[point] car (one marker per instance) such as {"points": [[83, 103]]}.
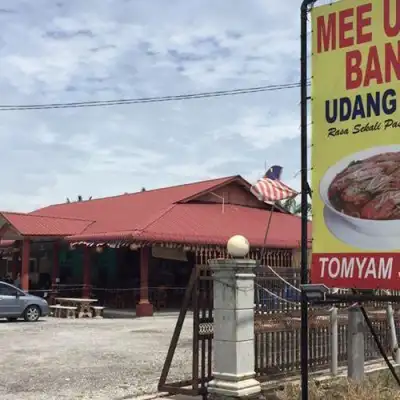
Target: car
{"points": [[15, 303]]}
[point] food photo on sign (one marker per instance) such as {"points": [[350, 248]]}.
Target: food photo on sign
{"points": [[356, 144], [361, 196]]}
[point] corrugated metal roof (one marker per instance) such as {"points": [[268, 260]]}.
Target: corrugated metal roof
{"points": [[210, 223], [37, 225], [160, 215], [131, 211]]}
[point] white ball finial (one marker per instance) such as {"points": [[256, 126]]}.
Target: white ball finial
{"points": [[238, 246]]}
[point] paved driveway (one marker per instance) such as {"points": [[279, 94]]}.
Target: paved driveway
{"points": [[110, 359]]}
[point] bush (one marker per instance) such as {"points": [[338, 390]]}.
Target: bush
{"points": [[381, 386]]}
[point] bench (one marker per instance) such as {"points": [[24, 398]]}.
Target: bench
{"points": [[54, 310], [69, 311], [98, 311]]}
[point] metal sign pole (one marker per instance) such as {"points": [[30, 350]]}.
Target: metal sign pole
{"points": [[304, 199]]}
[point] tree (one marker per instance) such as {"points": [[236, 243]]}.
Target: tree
{"points": [[143, 189], [293, 207]]}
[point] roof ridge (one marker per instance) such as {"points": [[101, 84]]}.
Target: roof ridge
{"points": [[158, 217], [87, 226], [46, 216], [146, 191]]}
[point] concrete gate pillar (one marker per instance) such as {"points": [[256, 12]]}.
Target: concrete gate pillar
{"points": [[355, 345], [234, 358]]}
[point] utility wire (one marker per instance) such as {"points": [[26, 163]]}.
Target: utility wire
{"points": [[142, 100]]}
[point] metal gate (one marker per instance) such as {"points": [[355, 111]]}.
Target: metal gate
{"points": [[198, 299], [276, 331], [271, 334]]}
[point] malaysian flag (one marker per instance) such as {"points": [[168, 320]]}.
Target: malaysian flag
{"points": [[270, 188]]}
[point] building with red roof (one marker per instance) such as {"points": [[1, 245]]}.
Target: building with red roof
{"points": [[183, 224]]}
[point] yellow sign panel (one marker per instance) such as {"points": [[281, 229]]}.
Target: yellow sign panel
{"points": [[356, 144]]}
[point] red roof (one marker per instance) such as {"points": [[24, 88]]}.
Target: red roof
{"points": [[204, 223], [161, 215], [131, 212], [36, 225]]}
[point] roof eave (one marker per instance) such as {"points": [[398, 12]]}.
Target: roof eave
{"points": [[153, 237], [105, 236]]}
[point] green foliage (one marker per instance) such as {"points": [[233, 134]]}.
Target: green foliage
{"points": [[294, 207]]}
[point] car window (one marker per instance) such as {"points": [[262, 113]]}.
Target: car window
{"points": [[6, 290]]}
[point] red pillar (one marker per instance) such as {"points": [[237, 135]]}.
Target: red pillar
{"points": [[26, 252], [87, 277], [144, 308], [56, 265]]}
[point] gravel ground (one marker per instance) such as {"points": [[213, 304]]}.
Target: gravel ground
{"points": [[108, 359]]}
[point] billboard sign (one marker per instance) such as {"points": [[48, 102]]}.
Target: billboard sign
{"points": [[356, 144]]}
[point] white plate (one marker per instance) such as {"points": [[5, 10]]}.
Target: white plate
{"points": [[346, 234], [370, 227]]}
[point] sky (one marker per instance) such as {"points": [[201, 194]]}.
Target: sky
{"points": [[73, 50]]}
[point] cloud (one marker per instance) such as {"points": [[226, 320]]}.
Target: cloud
{"points": [[75, 51], [261, 129]]}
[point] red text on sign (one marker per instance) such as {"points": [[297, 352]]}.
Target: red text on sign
{"points": [[391, 18], [360, 72], [352, 27], [345, 28], [357, 270]]}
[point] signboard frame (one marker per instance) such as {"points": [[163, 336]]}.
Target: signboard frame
{"points": [[356, 148], [329, 298]]}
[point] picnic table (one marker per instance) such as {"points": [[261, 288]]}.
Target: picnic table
{"points": [[83, 307]]}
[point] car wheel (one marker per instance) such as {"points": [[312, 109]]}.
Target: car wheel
{"points": [[12, 319], [32, 314]]}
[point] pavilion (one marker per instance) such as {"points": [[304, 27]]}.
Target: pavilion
{"points": [[188, 223]]}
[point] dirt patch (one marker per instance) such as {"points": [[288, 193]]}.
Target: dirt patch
{"points": [[89, 359]]}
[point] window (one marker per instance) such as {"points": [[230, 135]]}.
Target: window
{"points": [[6, 290]]}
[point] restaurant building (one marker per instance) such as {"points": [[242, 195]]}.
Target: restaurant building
{"points": [[137, 250]]}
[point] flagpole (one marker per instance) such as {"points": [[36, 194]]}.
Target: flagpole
{"points": [[268, 189], [264, 248]]}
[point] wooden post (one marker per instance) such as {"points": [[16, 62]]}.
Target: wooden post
{"points": [[334, 341], [87, 278], [144, 308], [26, 252], [56, 265], [393, 337]]}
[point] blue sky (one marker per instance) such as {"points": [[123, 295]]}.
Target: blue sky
{"points": [[75, 50]]}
